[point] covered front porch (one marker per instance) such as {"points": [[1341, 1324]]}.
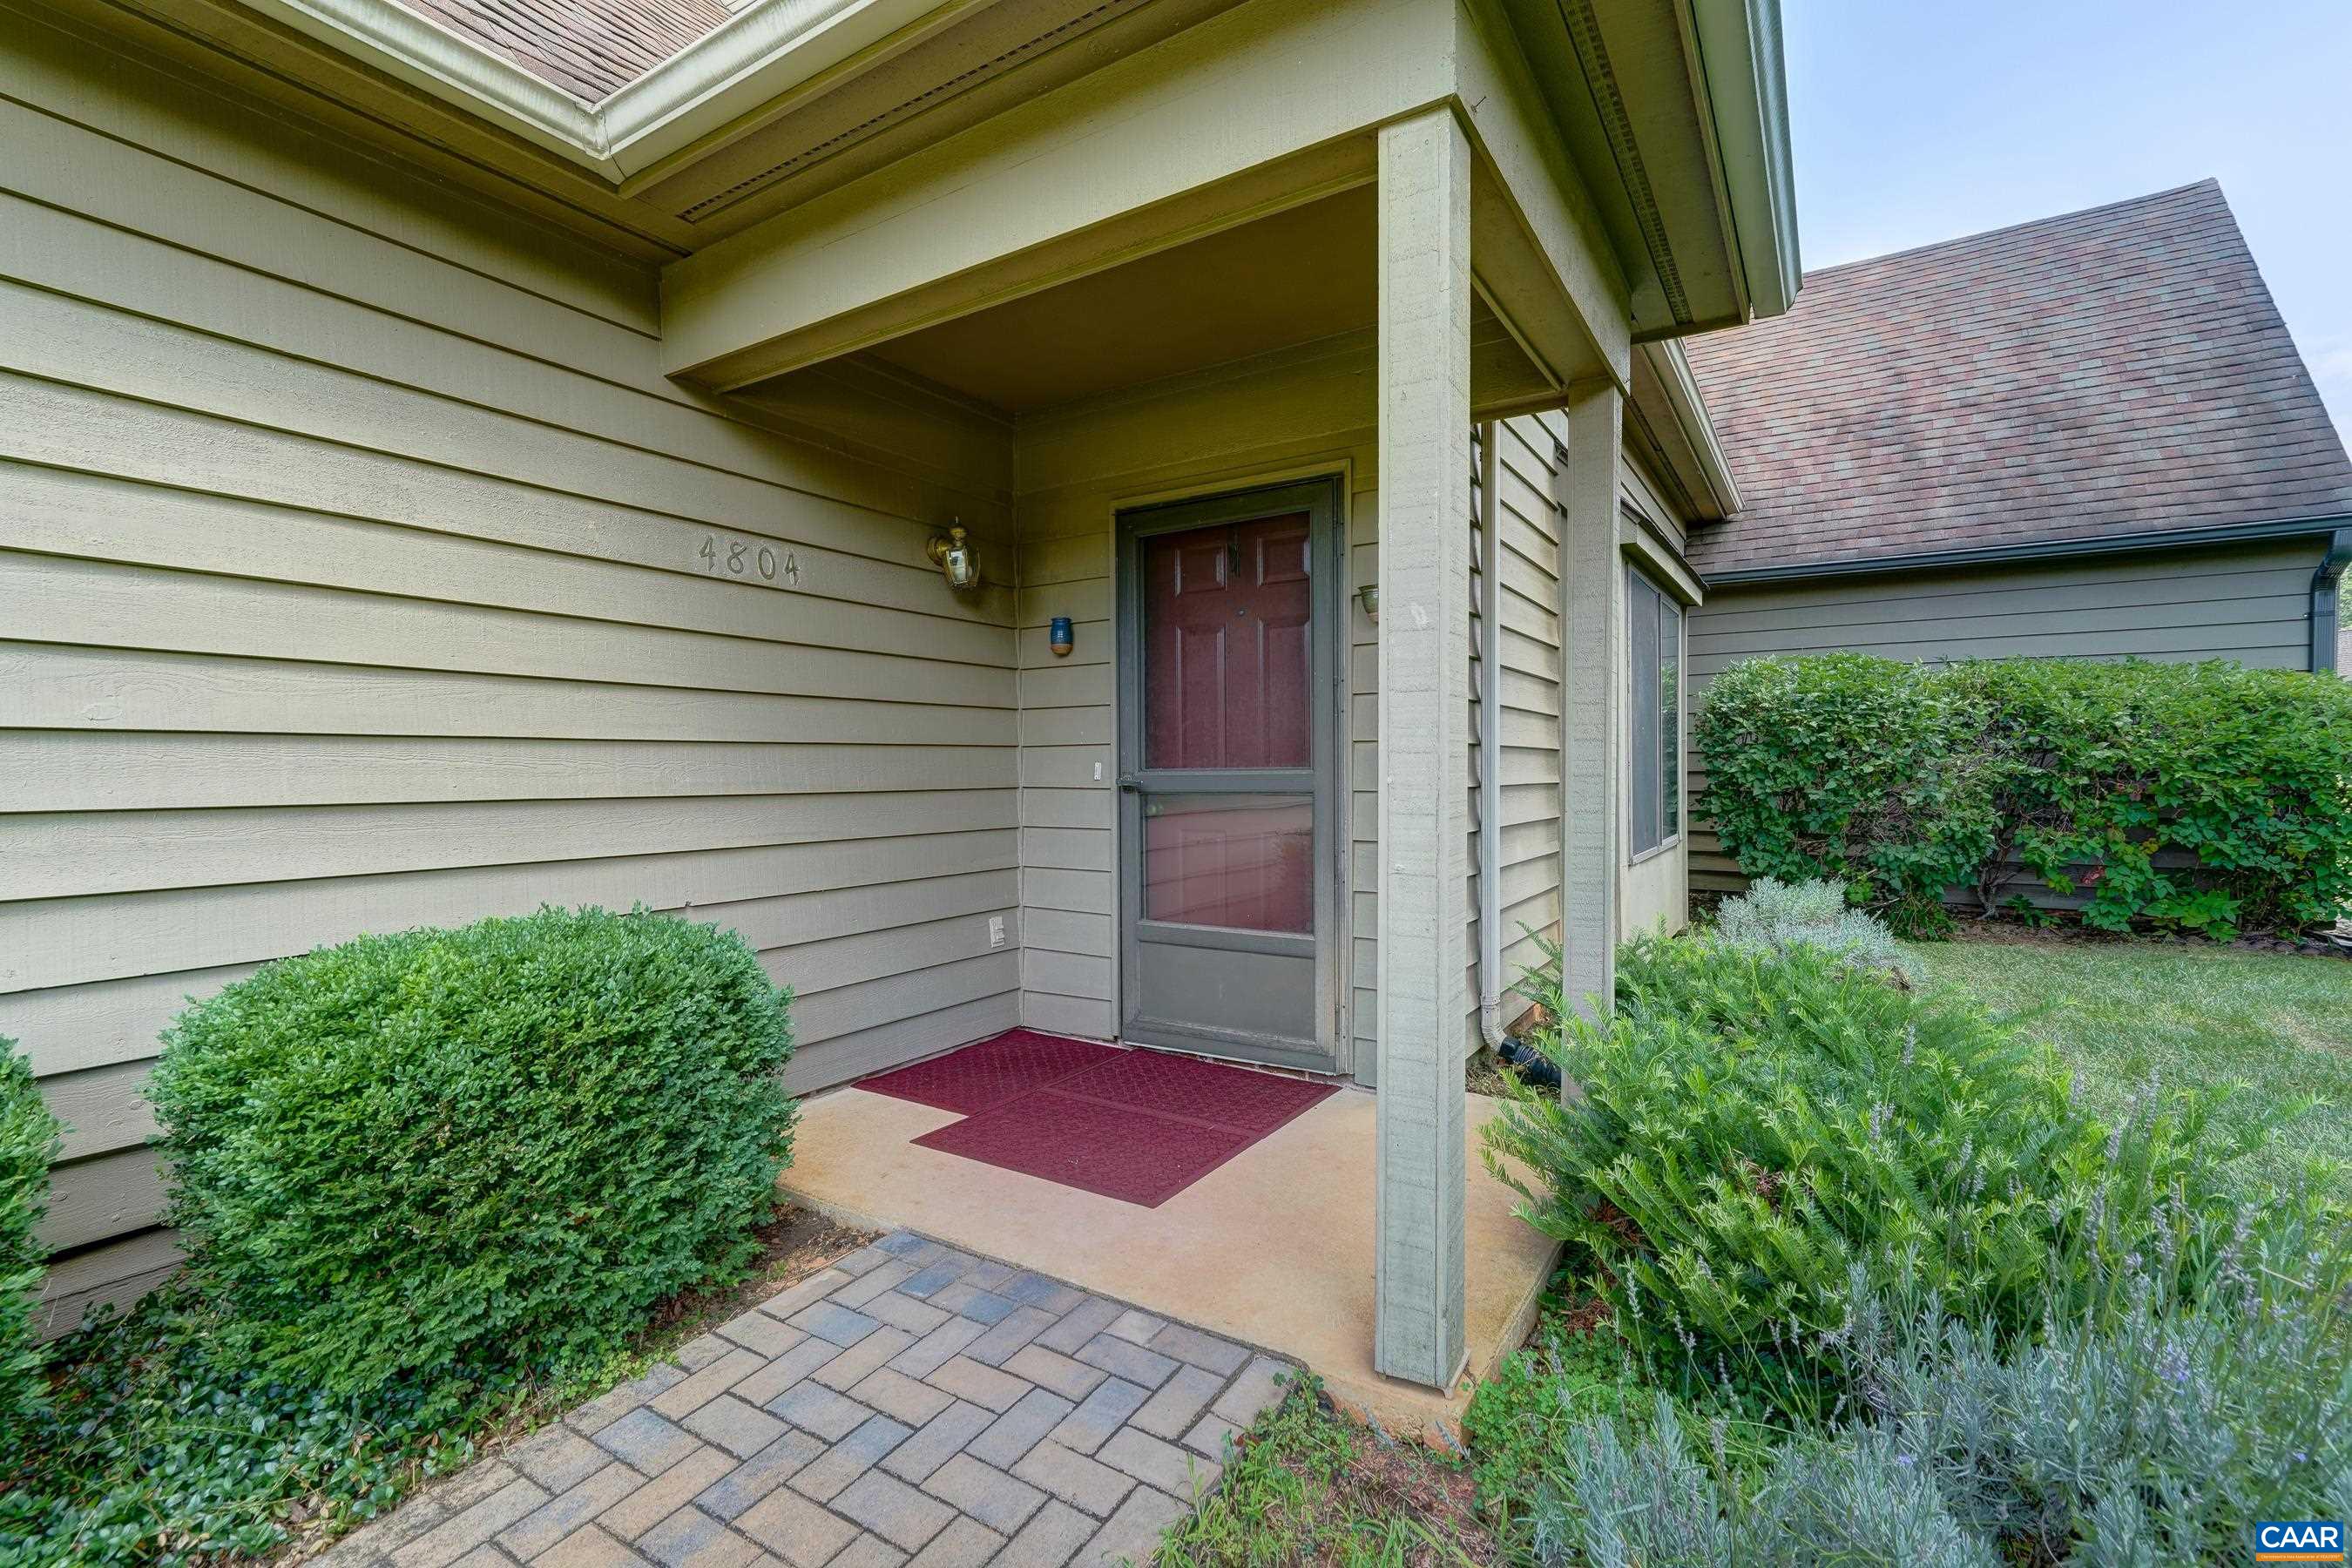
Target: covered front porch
{"points": [[1303, 337]]}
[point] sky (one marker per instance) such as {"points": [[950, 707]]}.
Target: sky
{"points": [[1916, 120]]}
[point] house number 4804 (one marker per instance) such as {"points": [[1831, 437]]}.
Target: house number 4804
{"points": [[746, 558]]}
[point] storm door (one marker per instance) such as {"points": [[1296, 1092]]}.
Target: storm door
{"points": [[1228, 787]]}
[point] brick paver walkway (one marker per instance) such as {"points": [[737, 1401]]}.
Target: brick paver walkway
{"points": [[910, 1404]]}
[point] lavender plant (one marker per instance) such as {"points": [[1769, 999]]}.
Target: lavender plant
{"points": [[1772, 916]]}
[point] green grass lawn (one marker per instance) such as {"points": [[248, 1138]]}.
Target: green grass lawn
{"points": [[2196, 1015]]}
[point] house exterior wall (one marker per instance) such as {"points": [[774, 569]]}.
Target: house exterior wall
{"points": [[352, 542], [2250, 603]]}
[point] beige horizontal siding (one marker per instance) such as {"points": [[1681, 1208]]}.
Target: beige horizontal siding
{"points": [[2250, 603], [363, 571]]}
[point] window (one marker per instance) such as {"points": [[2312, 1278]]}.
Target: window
{"points": [[1653, 632]]}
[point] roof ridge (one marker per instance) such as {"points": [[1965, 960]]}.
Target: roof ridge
{"points": [[2005, 230]]}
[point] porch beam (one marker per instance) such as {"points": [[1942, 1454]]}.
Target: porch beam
{"points": [[1592, 637], [1424, 729]]}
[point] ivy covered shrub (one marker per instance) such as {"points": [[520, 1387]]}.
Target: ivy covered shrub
{"points": [[1773, 915], [2205, 797], [28, 1141], [1756, 1134], [493, 1146]]}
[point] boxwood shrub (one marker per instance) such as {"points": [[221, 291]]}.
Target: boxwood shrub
{"points": [[2205, 797], [28, 1141], [496, 1145]]}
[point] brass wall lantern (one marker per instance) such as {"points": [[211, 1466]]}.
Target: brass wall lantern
{"points": [[953, 554]]}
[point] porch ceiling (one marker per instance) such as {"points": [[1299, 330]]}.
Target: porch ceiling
{"points": [[1306, 275]]}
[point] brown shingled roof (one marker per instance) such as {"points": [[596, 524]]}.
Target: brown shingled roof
{"points": [[589, 48], [2111, 372]]}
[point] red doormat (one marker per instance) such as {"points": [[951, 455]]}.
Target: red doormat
{"points": [[991, 1071], [1138, 1126]]}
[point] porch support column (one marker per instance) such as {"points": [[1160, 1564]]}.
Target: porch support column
{"points": [[1424, 739], [1592, 581]]}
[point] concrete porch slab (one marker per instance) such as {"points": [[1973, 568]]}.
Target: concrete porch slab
{"points": [[1273, 1248]]}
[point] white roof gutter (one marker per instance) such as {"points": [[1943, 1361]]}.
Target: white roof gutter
{"points": [[768, 48], [1738, 46]]}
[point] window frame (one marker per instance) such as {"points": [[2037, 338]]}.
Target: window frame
{"points": [[1664, 763]]}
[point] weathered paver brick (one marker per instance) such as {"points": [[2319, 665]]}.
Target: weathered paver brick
{"points": [[989, 1274], [941, 1437], [928, 1280], [1135, 1327], [708, 1383], [832, 1321], [1131, 1361], [966, 1300], [484, 1557], [1079, 1324], [603, 1411], [577, 1505], [808, 1293], [557, 1457], [1132, 1534], [1025, 1323], [934, 1350], [760, 1474], [665, 1495], [1159, 1464], [967, 1379], [762, 1386], [987, 1494], [869, 1551], [865, 1287], [871, 1256], [462, 1532], [1059, 1373], [1099, 1414], [817, 1408], [849, 1459], [905, 1312], [1178, 1402], [741, 1429], [966, 1543], [795, 1529], [851, 1366], [1255, 1391], [1048, 1540], [700, 1351], [691, 1538], [1213, 1436], [1019, 1429], [901, 1398], [756, 1330], [588, 1547], [647, 1441], [916, 1250], [1078, 1480], [1037, 1291], [1189, 1344], [893, 1511]]}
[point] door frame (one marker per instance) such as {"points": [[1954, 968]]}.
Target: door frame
{"points": [[1322, 498]]}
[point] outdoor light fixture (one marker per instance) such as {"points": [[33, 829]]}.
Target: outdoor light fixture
{"points": [[1057, 636], [952, 553], [1369, 596]]}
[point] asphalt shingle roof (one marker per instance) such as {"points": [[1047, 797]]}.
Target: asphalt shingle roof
{"points": [[589, 48], [2116, 371]]}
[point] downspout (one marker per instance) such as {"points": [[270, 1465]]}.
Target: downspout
{"points": [[1490, 746], [2326, 600]]}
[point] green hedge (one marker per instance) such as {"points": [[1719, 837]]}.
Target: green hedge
{"points": [[2205, 797], [28, 1141], [496, 1146]]}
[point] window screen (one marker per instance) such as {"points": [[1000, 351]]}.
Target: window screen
{"points": [[1653, 635]]}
